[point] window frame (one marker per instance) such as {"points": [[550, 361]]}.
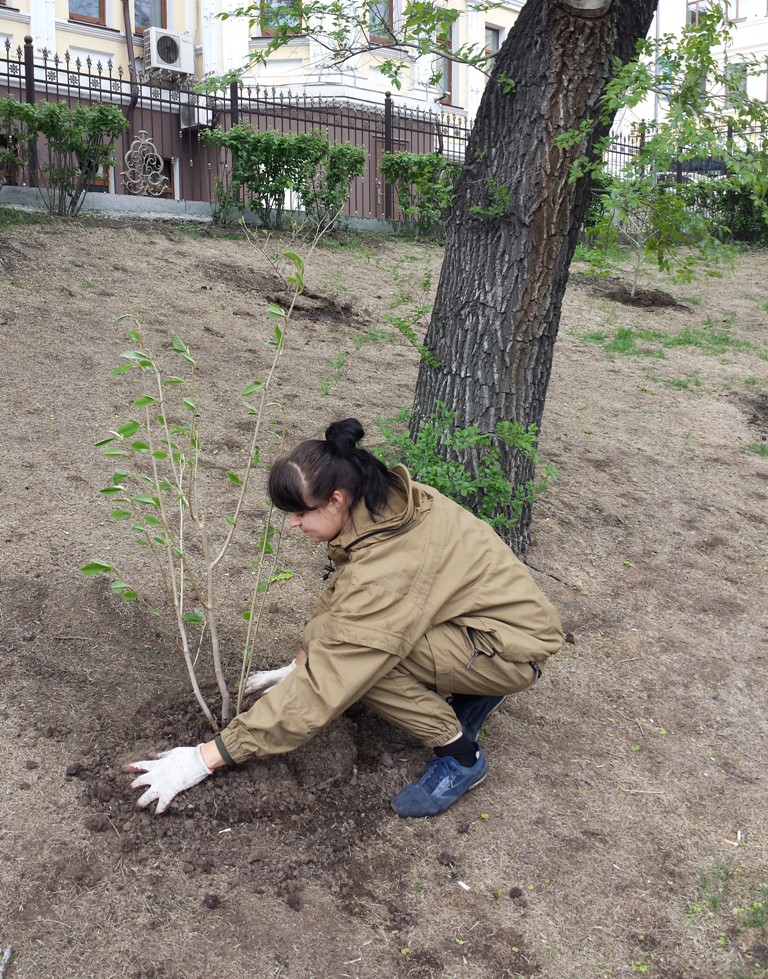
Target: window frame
{"points": [[163, 17], [270, 31], [100, 21], [740, 18], [390, 22], [445, 43], [491, 52], [692, 10]]}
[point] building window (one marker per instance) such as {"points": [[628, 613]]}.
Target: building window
{"points": [[275, 16], [492, 45], [149, 13], [88, 11], [750, 8], [695, 9], [445, 43], [381, 20]]}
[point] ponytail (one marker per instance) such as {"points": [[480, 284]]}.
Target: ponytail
{"points": [[306, 477]]}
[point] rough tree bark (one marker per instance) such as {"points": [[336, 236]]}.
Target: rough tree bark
{"points": [[500, 293]]}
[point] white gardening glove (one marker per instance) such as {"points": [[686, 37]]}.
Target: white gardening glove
{"points": [[262, 681], [167, 774]]}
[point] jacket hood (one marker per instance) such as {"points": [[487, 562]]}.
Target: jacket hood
{"points": [[407, 505]]}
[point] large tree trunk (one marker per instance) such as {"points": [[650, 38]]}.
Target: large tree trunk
{"points": [[498, 301]]}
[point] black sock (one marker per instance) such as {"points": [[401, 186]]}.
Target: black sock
{"points": [[462, 749]]}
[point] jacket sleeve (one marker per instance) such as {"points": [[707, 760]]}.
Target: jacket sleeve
{"points": [[334, 676]]}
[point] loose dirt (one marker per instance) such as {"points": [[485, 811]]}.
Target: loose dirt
{"points": [[624, 817]]}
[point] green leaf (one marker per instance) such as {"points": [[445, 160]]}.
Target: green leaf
{"points": [[139, 446], [129, 429], [230, 521], [95, 567], [174, 380], [195, 617], [135, 357], [111, 490], [151, 521], [144, 401], [122, 369], [141, 500], [112, 453], [103, 442], [120, 514], [247, 616], [297, 260], [276, 312], [251, 388], [189, 405], [234, 478], [181, 348], [256, 458], [159, 454]]}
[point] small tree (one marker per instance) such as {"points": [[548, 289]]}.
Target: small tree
{"points": [[710, 147], [157, 492], [80, 142]]}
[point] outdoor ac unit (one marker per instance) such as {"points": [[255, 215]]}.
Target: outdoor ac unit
{"points": [[166, 51], [195, 117]]}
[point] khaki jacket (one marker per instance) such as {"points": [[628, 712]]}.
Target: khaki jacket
{"points": [[423, 562]]}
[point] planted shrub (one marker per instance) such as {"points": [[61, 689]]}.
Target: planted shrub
{"points": [[271, 165], [424, 184], [79, 142]]}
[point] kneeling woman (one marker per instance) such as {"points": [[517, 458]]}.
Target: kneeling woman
{"points": [[425, 602]]}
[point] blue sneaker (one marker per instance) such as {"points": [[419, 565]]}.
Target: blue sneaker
{"points": [[472, 711], [443, 782]]}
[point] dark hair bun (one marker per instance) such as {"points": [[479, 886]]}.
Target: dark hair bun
{"points": [[343, 436]]}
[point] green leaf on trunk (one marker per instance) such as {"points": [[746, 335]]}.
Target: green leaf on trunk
{"points": [[234, 478], [120, 514], [144, 401]]}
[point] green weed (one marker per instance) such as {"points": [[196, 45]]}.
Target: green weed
{"points": [[759, 449], [709, 339], [11, 218]]}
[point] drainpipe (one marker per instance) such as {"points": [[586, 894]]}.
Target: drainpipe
{"points": [[29, 85], [131, 55]]}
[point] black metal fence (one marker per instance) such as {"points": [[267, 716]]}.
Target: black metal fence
{"points": [[161, 153]]}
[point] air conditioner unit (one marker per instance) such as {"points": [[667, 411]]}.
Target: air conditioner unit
{"points": [[166, 51], [195, 117]]}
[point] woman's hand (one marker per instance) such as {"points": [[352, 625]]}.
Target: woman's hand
{"points": [[169, 772]]}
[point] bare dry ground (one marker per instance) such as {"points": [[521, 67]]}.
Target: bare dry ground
{"points": [[622, 830]]}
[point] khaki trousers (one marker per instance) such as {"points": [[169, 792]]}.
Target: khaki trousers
{"points": [[444, 661]]}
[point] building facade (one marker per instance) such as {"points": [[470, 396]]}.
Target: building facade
{"points": [[139, 37], [749, 33]]}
